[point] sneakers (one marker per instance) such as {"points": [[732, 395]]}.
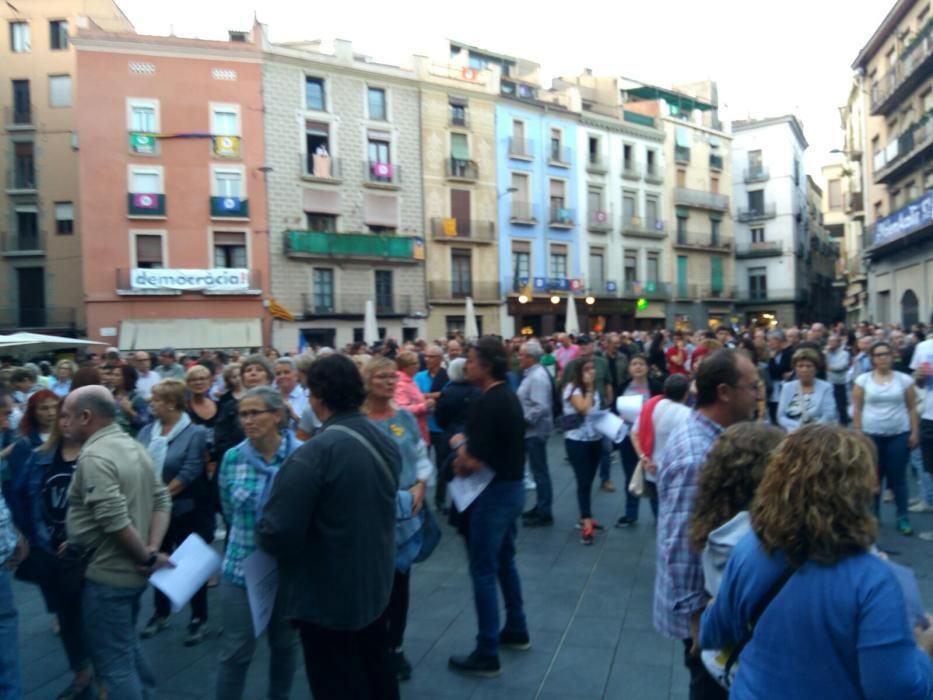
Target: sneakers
{"points": [[155, 625], [626, 521], [587, 536], [607, 486], [921, 507], [519, 641], [538, 520], [196, 630], [475, 664], [596, 525], [401, 665], [903, 527]]}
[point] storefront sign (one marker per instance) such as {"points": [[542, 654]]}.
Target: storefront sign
{"points": [[219, 280], [905, 220]]}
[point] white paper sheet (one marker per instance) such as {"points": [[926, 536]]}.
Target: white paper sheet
{"points": [[262, 585], [629, 407], [464, 490], [195, 561], [610, 425]]}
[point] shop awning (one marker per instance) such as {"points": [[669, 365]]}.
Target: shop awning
{"points": [[190, 333], [380, 210]]}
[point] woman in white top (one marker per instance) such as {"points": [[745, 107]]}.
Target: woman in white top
{"points": [[885, 409], [806, 399], [583, 441]]}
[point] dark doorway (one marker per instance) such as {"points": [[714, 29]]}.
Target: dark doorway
{"points": [[31, 295]]}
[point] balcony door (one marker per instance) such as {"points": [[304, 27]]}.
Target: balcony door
{"points": [[682, 276], [31, 294], [384, 292], [461, 274], [716, 275], [22, 102], [460, 211]]}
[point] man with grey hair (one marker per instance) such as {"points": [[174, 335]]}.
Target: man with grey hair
{"points": [[118, 513], [293, 393], [535, 394]]}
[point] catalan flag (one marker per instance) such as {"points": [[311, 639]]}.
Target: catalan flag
{"points": [[280, 312]]}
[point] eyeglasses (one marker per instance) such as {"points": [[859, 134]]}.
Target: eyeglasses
{"points": [[881, 354], [249, 415]]}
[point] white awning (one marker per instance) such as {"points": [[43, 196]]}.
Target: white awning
{"points": [[190, 333]]}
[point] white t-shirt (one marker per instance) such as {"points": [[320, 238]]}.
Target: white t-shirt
{"points": [[884, 411], [666, 416], [586, 432], [924, 353]]}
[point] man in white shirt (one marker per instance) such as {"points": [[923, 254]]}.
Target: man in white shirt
{"points": [[295, 395], [146, 378], [922, 365]]}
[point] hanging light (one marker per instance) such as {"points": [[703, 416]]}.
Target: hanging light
{"points": [[522, 299], [591, 300], [555, 299]]}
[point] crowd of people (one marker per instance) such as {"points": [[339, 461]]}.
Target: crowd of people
{"points": [[764, 455]]}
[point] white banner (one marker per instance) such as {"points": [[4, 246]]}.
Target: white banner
{"points": [[219, 280]]}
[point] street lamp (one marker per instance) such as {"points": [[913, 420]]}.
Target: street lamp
{"points": [[555, 299], [590, 300], [511, 190]]}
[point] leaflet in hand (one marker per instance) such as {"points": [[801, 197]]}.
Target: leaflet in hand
{"points": [[629, 407], [464, 490], [609, 424], [195, 561]]}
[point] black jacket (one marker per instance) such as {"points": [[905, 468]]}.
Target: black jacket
{"points": [[330, 522], [453, 407], [777, 369]]}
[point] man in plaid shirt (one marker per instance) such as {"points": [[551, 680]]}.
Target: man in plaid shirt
{"points": [[728, 389]]}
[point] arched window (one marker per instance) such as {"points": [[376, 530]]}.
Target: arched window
{"points": [[910, 309]]}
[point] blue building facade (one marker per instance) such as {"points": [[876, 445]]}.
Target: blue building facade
{"points": [[539, 216]]}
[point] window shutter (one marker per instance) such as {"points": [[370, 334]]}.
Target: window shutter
{"points": [[149, 249]]}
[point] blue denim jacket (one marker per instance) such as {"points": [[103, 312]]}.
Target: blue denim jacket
{"points": [[28, 497]]}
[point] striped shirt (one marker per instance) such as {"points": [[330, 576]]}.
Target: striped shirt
{"points": [[8, 534], [678, 583]]}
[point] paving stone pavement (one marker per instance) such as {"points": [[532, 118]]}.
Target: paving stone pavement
{"points": [[588, 608]]}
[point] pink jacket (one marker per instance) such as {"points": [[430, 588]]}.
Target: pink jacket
{"points": [[409, 397]]}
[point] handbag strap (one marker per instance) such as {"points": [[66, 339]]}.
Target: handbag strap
{"points": [[759, 610], [367, 444]]}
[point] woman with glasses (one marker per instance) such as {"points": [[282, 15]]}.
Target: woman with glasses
{"points": [[884, 405], [61, 383], [806, 399], [380, 379], [245, 481]]}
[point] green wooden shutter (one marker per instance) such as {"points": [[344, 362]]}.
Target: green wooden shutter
{"points": [[682, 275], [716, 273]]}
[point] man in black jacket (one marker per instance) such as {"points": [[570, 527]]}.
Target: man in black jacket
{"points": [[779, 368], [330, 522]]}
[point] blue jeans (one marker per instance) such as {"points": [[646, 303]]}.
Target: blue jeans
{"points": [[110, 617], [893, 455], [491, 549], [629, 462], [536, 449], [9, 641], [605, 461]]}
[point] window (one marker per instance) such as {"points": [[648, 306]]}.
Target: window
{"points": [[314, 94], [321, 222], [754, 163], [714, 184], [143, 118], [714, 231], [521, 263], [24, 170], [652, 162], [323, 283], [835, 194], [458, 112], [230, 249], [228, 183], [631, 268], [557, 191], [628, 158], [758, 283], [459, 147], [654, 268], [149, 251], [557, 264], [225, 121], [715, 264], [756, 201], [594, 203], [22, 102], [379, 152], [796, 171], [681, 228], [517, 145], [64, 218], [58, 35], [27, 228], [597, 269], [651, 212], [19, 37], [384, 303], [681, 177], [758, 234], [628, 207], [59, 91], [593, 149], [382, 230], [317, 149], [376, 101], [146, 181], [461, 274], [557, 145]]}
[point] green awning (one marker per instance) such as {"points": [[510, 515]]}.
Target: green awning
{"points": [[715, 216], [684, 102], [682, 212]]}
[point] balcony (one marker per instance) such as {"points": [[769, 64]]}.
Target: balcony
{"points": [[596, 164], [636, 118], [765, 211], [560, 157], [598, 222], [774, 296], [759, 249], [521, 149], [142, 205], [461, 169], [457, 290], [682, 154], [697, 240], [463, 230], [459, 120], [654, 175], [523, 213], [630, 170], [229, 208], [715, 162], [207, 281], [637, 227], [383, 176], [717, 292], [15, 318], [701, 199], [854, 203], [356, 246], [337, 305], [23, 244], [914, 218], [561, 217], [910, 70], [317, 168], [907, 152], [657, 291], [756, 174], [21, 177], [19, 117]]}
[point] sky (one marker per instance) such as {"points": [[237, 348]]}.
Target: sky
{"points": [[768, 59]]}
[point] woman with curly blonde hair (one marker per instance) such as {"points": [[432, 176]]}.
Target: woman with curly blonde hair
{"points": [[831, 617]]}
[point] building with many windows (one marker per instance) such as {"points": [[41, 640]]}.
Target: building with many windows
{"points": [[895, 68], [40, 231], [698, 176], [458, 143], [172, 201], [346, 221]]}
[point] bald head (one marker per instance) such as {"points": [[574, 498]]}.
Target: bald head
{"points": [[85, 411]]}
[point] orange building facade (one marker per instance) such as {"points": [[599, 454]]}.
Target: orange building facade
{"points": [[172, 191]]}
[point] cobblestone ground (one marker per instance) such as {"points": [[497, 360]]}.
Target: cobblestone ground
{"points": [[589, 613]]}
